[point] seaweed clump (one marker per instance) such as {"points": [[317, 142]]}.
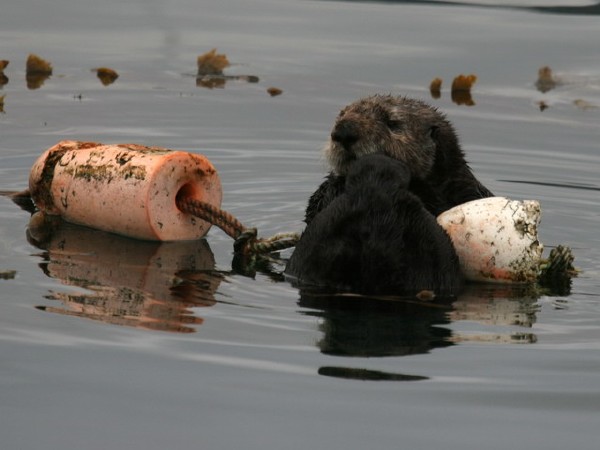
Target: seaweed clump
{"points": [[106, 76], [557, 271], [212, 63], [546, 81], [37, 71], [3, 78], [461, 89], [274, 92], [435, 88]]}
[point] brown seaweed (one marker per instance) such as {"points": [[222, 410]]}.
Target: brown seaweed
{"points": [[274, 92], [212, 63], [435, 88], [105, 75], [37, 71]]}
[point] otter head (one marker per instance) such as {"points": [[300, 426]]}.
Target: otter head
{"points": [[405, 129]]}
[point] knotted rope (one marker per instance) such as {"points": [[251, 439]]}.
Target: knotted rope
{"points": [[246, 239]]}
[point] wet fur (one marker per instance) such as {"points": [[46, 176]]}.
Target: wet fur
{"points": [[376, 237], [407, 130]]}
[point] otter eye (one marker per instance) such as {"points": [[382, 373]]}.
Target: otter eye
{"points": [[394, 125]]}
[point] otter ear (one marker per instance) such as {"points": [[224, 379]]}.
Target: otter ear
{"points": [[433, 132], [434, 135]]}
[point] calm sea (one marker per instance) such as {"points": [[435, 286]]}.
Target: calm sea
{"points": [[110, 343]]}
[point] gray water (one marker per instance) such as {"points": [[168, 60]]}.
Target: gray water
{"points": [[110, 343]]}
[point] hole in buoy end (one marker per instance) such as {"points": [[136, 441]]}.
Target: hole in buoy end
{"points": [[188, 191]]}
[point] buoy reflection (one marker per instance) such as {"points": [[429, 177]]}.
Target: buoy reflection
{"points": [[143, 284]]}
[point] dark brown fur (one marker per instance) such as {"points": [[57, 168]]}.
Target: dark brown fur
{"points": [[376, 237], [407, 130]]}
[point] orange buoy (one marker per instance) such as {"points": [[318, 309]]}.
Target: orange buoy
{"points": [[126, 189]]}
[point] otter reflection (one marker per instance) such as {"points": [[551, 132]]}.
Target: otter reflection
{"points": [[360, 326], [126, 282], [366, 327]]}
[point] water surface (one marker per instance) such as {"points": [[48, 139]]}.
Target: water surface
{"points": [[112, 343]]}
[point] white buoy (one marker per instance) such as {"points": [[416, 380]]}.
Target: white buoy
{"points": [[496, 239]]}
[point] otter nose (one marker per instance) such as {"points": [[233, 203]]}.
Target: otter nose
{"points": [[345, 132]]}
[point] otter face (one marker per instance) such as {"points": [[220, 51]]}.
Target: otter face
{"points": [[399, 127]]}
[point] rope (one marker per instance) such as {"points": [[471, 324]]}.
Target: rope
{"points": [[205, 211], [246, 240]]}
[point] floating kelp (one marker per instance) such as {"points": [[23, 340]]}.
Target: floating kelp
{"points": [[463, 82], [105, 75], [274, 92], [546, 81], [435, 88], [3, 78], [461, 89], [37, 71], [2, 103], [210, 71], [35, 64], [7, 274], [212, 63]]}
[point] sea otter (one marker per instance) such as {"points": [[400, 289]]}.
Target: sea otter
{"points": [[376, 237], [410, 131]]}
